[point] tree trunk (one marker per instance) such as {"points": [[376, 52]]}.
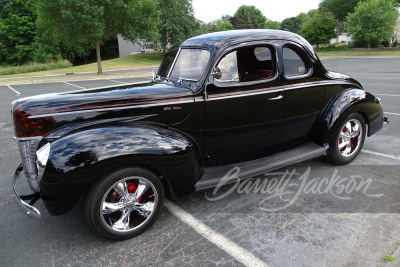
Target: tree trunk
{"points": [[369, 46], [99, 68]]}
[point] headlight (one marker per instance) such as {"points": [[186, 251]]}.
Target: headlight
{"points": [[42, 156]]}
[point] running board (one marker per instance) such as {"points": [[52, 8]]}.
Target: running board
{"points": [[249, 169]]}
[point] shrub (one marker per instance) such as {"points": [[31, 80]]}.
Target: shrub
{"points": [[385, 43], [34, 67]]}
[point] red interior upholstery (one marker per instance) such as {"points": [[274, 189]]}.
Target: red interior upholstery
{"points": [[257, 75]]}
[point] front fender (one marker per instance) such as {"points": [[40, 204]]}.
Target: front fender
{"points": [[348, 102], [77, 160]]}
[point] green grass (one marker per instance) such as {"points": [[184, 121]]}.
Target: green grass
{"points": [[388, 258], [34, 67], [341, 50], [134, 61]]}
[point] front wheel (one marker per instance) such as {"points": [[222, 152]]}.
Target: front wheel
{"points": [[124, 203], [348, 140]]}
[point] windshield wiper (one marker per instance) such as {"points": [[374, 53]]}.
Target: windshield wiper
{"points": [[180, 79]]}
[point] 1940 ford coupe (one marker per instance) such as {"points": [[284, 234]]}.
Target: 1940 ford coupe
{"points": [[254, 99]]}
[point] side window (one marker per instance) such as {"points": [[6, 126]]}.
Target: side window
{"points": [[228, 67], [292, 63], [262, 53], [246, 64], [255, 63]]}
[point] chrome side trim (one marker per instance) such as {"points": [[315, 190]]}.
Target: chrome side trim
{"points": [[243, 94], [110, 109], [315, 83], [35, 138], [28, 209]]}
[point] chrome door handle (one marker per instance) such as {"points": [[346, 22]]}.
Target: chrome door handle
{"points": [[276, 98]]}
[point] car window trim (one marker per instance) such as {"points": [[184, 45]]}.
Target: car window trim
{"points": [[297, 49], [238, 83]]}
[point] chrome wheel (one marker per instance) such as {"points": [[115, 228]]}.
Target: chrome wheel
{"points": [[128, 204], [350, 137], [347, 139]]}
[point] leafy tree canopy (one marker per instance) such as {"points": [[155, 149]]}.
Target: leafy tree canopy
{"points": [[320, 28], [177, 22], [248, 17], [292, 24], [372, 20], [304, 17], [219, 25], [78, 21], [270, 24], [17, 31], [340, 8]]}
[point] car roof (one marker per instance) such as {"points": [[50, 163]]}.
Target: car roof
{"points": [[217, 40]]}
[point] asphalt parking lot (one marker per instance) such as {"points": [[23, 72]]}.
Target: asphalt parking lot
{"points": [[244, 226]]}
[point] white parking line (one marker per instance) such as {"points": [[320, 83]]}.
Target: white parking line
{"points": [[12, 89], [75, 85], [380, 154], [390, 113], [386, 95], [383, 77], [118, 81], [387, 85], [239, 253]]}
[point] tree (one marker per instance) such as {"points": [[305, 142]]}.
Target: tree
{"points": [[177, 22], [218, 25], [248, 17], [79, 21], [292, 24], [340, 8], [320, 28], [304, 17], [17, 31], [372, 20], [225, 18], [270, 24]]}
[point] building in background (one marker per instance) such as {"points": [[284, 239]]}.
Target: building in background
{"points": [[341, 38], [127, 48]]}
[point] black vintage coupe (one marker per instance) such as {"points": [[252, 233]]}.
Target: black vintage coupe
{"points": [[254, 99]]}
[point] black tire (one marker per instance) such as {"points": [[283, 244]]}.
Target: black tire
{"points": [[118, 217], [352, 145]]}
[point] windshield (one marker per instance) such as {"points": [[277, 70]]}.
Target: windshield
{"points": [[190, 64], [167, 63]]}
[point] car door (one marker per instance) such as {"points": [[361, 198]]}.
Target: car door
{"points": [[304, 95], [244, 106]]}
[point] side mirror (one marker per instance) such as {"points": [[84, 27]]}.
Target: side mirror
{"points": [[216, 73]]}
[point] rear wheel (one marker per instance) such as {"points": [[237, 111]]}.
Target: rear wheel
{"points": [[124, 203], [348, 140]]}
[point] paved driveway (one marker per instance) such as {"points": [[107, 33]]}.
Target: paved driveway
{"points": [[315, 230]]}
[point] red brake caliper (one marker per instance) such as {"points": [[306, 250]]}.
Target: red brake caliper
{"points": [[114, 196], [131, 187]]}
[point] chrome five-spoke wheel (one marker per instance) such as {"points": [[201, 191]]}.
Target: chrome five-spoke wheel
{"points": [[128, 204], [347, 140], [350, 137], [124, 203]]}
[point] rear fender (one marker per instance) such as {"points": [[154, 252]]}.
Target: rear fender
{"points": [[348, 102]]}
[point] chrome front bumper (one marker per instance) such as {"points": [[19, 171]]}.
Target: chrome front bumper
{"points": [[28, 208]]}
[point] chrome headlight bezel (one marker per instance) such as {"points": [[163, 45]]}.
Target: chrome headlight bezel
{"points": [[42, 156]]}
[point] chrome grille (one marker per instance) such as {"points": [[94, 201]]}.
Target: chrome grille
{"points": [[27, 149]]}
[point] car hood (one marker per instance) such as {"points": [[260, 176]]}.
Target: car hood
{"points": [[38, 115]]}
